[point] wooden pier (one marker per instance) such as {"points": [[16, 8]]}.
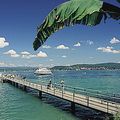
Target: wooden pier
{"points": [[72, 96]]}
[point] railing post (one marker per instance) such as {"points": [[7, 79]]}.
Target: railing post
{"points": [[41, 87], [84, 91], [62, 93], [37, 86], [47, 89], [114, 97], [107, 106], [74, 95], [98, 94], [87, 100], [54, 90]]}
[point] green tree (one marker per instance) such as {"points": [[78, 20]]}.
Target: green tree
{"points": [[86, 12]]}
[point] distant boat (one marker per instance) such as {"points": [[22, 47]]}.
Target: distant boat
{"points": [[43, 71]]}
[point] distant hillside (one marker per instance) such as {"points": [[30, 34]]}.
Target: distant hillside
{"points": [[102, 66]]}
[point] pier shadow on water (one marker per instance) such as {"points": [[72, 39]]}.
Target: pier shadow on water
{"points": [[81, 112]]}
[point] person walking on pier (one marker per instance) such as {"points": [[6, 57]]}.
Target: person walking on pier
{"points": [[49, 84], [62, 85]]}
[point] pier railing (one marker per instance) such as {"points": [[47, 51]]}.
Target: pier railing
{"points": [[89, 92], [95, 100]]}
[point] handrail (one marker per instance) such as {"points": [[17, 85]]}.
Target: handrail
{"points": [[82, 99], [76, 90], [95, 93], [88, 90]]}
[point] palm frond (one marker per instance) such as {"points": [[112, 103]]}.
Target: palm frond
{"points": [[86, 12], [118, 1]]}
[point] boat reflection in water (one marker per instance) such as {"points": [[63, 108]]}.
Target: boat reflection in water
{"points": [[43, 71]]}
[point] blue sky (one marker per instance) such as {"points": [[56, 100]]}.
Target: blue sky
{"points": [[78, 44]]}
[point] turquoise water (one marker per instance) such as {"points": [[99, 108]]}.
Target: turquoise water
{"points": [[16, 104]]}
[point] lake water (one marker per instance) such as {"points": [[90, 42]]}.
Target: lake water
{"points": [[16, 104]]}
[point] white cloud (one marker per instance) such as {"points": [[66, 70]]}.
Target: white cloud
{"points": [[114, 41], [12, 65], [73, 49], [77, 44], [90, 42], [62, 47], [91, 57], [108, 50], [12, 53], [51, 60], [3, 64], [41, 54], [64, 56], [3, 42], [46, 46], [28, 56], [67, 64], [31, 56], [25, 53], [15, 55]]}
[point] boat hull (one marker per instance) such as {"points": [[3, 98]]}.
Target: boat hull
{"points": [[43, 73]]}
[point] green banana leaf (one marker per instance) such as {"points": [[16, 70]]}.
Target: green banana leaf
{"points": [[118, 1], [86, 12]]}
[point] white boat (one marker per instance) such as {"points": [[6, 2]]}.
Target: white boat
{"points": [[43, 71]]}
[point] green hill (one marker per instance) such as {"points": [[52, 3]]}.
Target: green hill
{"points": [[101, 66]]}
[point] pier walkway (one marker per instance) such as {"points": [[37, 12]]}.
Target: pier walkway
{"points": [[73, 96]]}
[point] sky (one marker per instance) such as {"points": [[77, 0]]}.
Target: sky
{"points": [[72, 45]]}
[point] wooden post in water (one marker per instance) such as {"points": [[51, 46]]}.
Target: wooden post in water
{"points": [[2, 81], [24, 87], [16, 85], [40, 94], [13, 83], [73, 107], [10, 82]]}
